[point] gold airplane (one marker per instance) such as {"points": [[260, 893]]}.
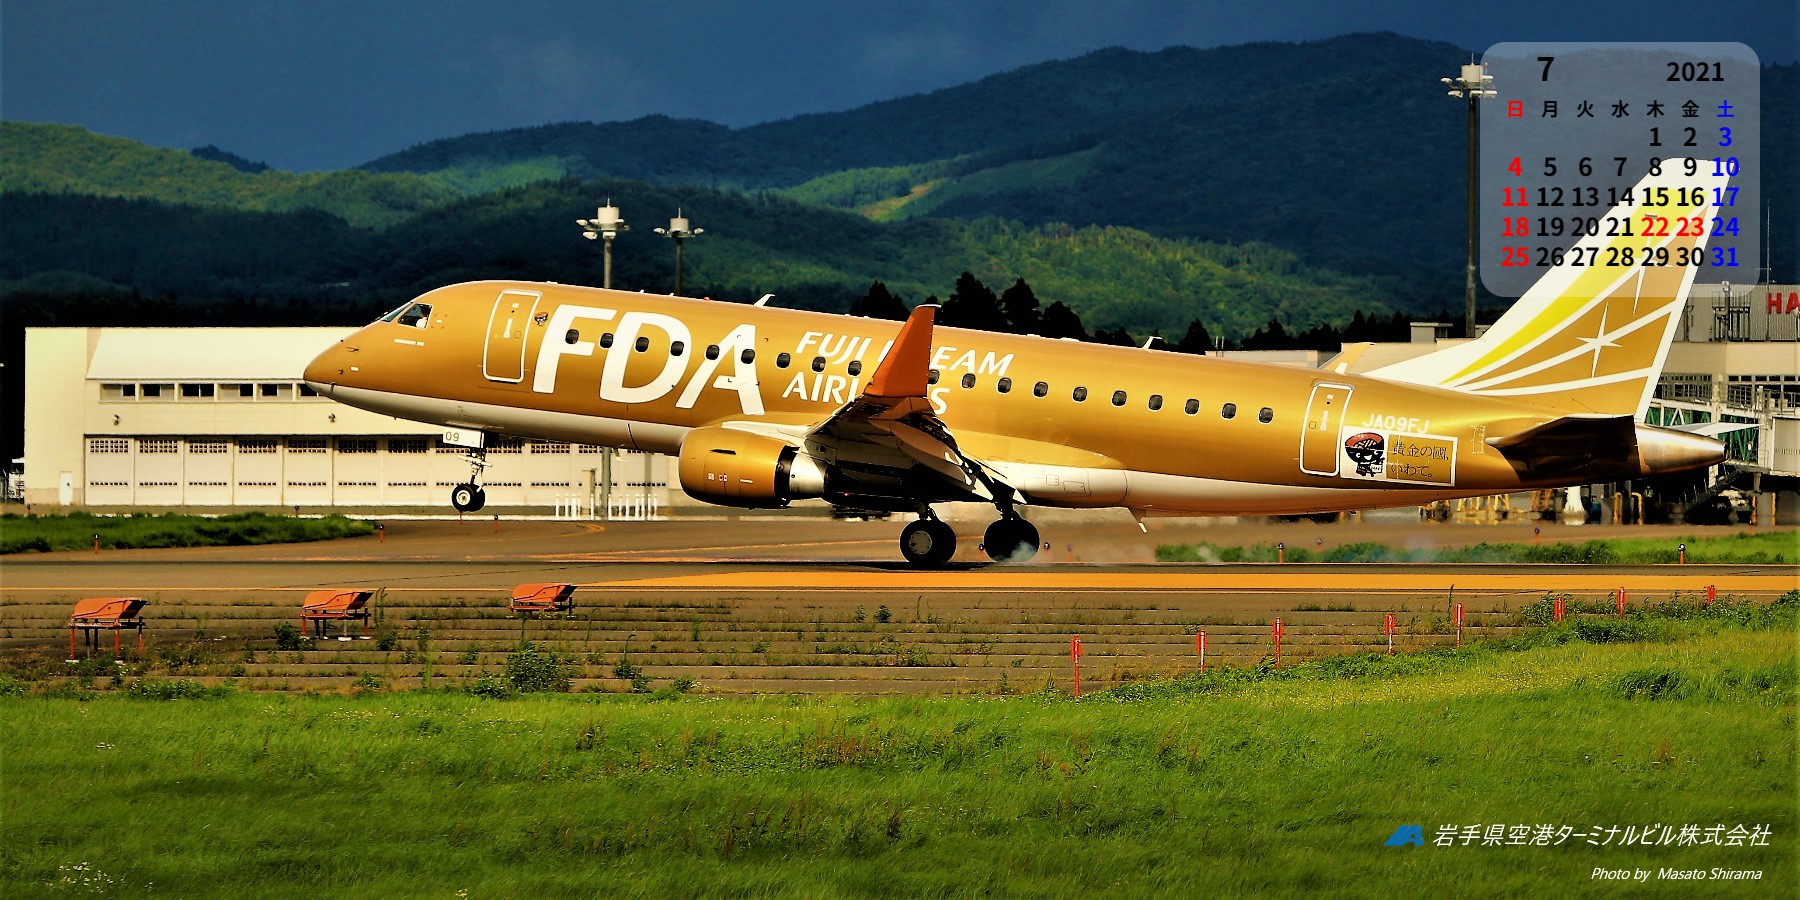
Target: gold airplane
{"points": [[765, 406]]}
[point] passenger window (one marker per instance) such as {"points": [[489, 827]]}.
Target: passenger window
{"points": [[782, 361], [1080, 395], [968, 380], [677, 348], [855, 367], [1228, 411], [1192, 407], [1156, 401], [818, 364], [1040, 389], [748, 356], [571, 336], [1118, 398], [1266, 416], [642, 344], [931, 377], [1005, 385], [606, 340]]}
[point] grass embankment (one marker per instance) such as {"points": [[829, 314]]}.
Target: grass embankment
{"points": [[1286, 783], [1768, 548], [75, 531]]}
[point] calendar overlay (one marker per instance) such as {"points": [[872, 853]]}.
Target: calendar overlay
{"points": [[1574, 130]]}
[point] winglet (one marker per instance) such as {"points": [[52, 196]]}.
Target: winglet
{"points": [[902, 372]]}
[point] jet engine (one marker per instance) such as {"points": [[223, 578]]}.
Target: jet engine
{"points": [[736, 468]]}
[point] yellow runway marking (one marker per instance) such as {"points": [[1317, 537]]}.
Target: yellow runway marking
{"points": [[1637, 584]]}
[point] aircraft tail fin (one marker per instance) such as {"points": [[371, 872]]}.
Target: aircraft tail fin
{"points": [[1591, 336]]}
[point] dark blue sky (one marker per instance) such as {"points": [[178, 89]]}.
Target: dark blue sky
{"points": [[311, 84]]}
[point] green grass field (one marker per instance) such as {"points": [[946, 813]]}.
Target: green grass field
{"points": [[1768, 548], [76, 531], [1248, 781]]}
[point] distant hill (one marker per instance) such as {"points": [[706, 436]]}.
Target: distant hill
{"points": [[70, 159], [755, 244], [214, 154]]}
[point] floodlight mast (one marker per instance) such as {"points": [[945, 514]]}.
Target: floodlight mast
{"points": [[679, 230], [1472, 84], [605, 225]]}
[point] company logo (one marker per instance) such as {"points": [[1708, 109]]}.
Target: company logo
{"points": [[1406, 835], [1367, 451]]}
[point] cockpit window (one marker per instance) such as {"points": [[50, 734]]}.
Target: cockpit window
{"points": [[416, 315]]}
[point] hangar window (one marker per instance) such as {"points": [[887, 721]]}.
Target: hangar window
{"points": [[571, 336], [1266, 416], [197, 390], [117, 392], [256, 445], [356, 445], [855, 367], [1040, 389], [153, 391], [931, 377], [109, 445], [1118, 398], [1004, 386], [1228, 411], [246, 391], [783, 360], [549, 447], [506, 445], [642, 344], [210, 447], [1155, 401], [818, 364], [712, 351], [748, 356], [159, 445], [676, 348], [406, 445], [606, 340], [128, 390], [968, 380], [306, 445], [271, 390], [1192, 407], [1080, 395], [307, 391]]}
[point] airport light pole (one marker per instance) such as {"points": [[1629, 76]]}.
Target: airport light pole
{"points": [[1473, 84], [605, 225], [679, 230]]}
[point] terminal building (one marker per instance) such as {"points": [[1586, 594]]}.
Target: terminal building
{"points": [[218, 417]]}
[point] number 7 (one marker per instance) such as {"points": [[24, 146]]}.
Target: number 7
{"points": [[1546, 60]]}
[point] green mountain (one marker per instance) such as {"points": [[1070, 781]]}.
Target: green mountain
{"points": [[70, 159]]}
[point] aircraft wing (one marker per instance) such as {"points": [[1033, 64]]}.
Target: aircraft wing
{"points": [[891, 427]]}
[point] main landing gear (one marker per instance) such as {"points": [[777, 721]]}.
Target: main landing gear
{"points": [[469, 497], [930, 543]]}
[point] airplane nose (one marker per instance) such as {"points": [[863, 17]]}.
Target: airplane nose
{"points": [[326, 369], [1660, 450]]}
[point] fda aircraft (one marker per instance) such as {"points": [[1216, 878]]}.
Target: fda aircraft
{"points": [[766, 406]]}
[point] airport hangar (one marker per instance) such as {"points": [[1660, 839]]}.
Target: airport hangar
{"points": [[219, 417]]}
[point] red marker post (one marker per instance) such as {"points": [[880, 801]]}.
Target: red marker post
{"points": [[1281, 555], [1278, 630], [1459, 624], [1621, 603], [1681, 554], [1388, 626], [1712, 593], [1075, 656], [1559, 609]]}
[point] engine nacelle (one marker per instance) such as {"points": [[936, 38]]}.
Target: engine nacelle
{"points": [[736, 468]]}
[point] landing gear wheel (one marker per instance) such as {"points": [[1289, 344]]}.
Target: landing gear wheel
{"points": [[468, 497], [1011, 539], [928, 542]]}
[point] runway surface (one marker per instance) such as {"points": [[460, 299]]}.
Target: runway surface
{"points": [[808, 604]]}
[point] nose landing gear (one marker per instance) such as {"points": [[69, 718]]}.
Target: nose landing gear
{"points": [[470, 497]]}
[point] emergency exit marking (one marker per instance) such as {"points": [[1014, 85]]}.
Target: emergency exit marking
{"points": [[1576, 126]]}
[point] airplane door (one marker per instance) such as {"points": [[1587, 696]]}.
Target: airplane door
{"points": [[1325, 412], [504, 355]]}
